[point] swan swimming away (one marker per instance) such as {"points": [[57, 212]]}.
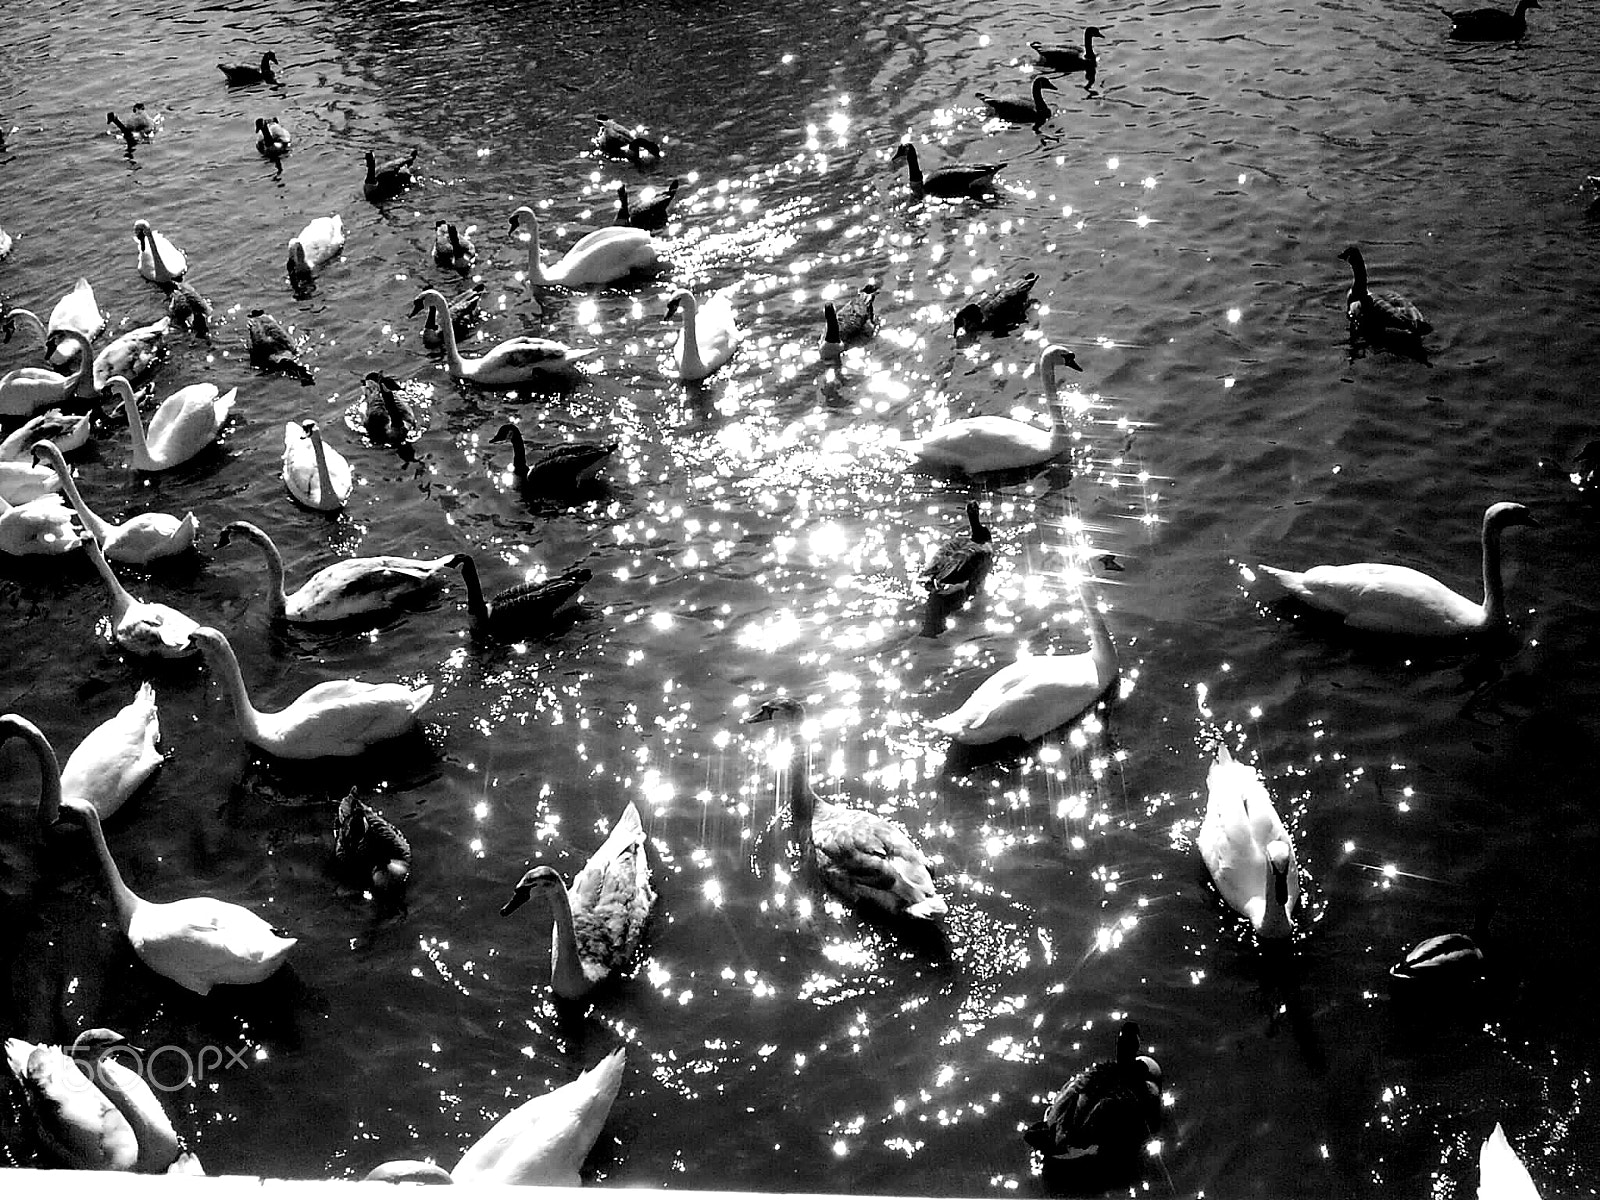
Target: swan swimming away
{"points": [[1247, 850], [1501, 1175]]}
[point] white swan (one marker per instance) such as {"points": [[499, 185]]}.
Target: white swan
{"points": [[316, 474], [77, 1122], [186, 423], [708, 335], [26, 390], [132, 355], [159, 260], [77, 310], [1384, 598], [978, 444], [138, 541], [1247, 850], [513, 362], [604, 256], [334, 719], [42, 526], [66, 431], [160, 1150], [117, 757], [138, 626], [22, 483], [319, 243], [1501, 1175], [1039, 692]]}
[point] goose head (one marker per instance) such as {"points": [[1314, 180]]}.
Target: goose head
{"points": [[1093, 31], [1041, 83], [542, 882]]}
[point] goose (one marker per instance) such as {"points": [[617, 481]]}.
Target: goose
{"points": [[367, 844], [338, 718], [318, 244], [998, 310], [512, 363], [387, 180], [67, 431], [272, 139], [187, 422], [386, 419], [1069, 59], [1038, 692], [132, 355], [962, 563], [979, 444], [159, 260], [316, 474], [957, 181], [1112, 1107], [1377, 313], [1033, 112], [40, 527], [708, 335], [1447, 960], [76, 1121], [141, 627], [523, 608], [1384, 598], [118, 756], [563, 470], [598, 923], [452, 249], [160, 1150], [831, 348], [129, 135], [1247, 850], [604, 256], [188, 308], [28, 390], [78, 310], [617, 140], [23, 483], [464, 314], [1501, 1175], [652, 214], [140, 540], [272, 349], [541, 1142], [244, 74], [351, 587], [1490, 24], [857, 320], [863, 857]]}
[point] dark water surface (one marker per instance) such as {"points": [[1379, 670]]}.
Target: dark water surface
{"points": [[1184, 216]]}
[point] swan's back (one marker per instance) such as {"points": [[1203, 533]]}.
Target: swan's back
{"points": [[1027, 699], [1240, 822], [200, 941], [1381, 598], [985, 443], [611, 898]]}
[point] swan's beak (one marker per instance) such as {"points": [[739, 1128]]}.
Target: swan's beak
{"points": [[672, 309], [1069, 361], [518, 899]]}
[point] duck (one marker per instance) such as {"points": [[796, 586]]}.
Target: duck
{"points": [[1490, 24], [857, 320], [1501, 1175], [28, 390], [338, 718], [272, 349], [39, 527], [512, 363], [351, 587], [159, 260], [543, 1141], [865, 859], [118, 756], [1033, 112], [387, 180], [1379, 313], [616, 140], [272, 139], [652, 214], [1384, 598], [68, 431], [708, 335], [78, 310], [188, 308], [979, 444], [1069, 59], [1450, 961], [316, 474], [1038, 692], [464, 314], [1247, 850], [1111, 1108], [999, 310], [187, 422], [129, 135], [245, 74], [140, 540], [22, 483], [452, 249], [959, 567], [956, 181], [598, 923], [317, 245], [160, 1151], [602, 257], [132, 355], [367, 844], [563, 470], [387, 419], [521, 609], [140, 627], [141, 122]]}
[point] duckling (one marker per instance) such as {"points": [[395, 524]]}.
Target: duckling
{"points": [[367, 844], [958, 181], [388, 180], [857, 322], [999, 310], [962, 563], [562, 471], [272, 139], [465, 313], [452, 249], [1378, 313], [616, 140], [388, 420], [129, 135], [652, 214], [245, 74], [1022, 112], [188, 308], [518, 611], [272, 349], [1069, 59], [1490, 24], [1111, 1108]]}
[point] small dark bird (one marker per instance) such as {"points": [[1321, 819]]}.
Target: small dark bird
{"points": [[272, 139], [1111, 1108], [616, 140], [959, 181], [386, 181], [960, 566], [1448, 960], [452, 249], [651, 215], [559, 472], [388, 420], [464, 314], [245, 74], [188, 308], [272, 349], [1490, 24], [1033, 112], [831, 348], [519, 611], [127, 132], [999, 310], [1069, 59], [857, 322], [1377, 313], [366, 844]]}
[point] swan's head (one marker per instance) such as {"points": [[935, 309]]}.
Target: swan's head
{"points": [[424, 300], [524, 215], [681, 301], [141, 230], [212, 642], [1279, 858], [969, 320], [311, 429], [507, 433], [408, 1171], [92, 1045], [48, 449], [778, 708], [1500, 516], [122, 389], [542, 882], [1054, 356]]}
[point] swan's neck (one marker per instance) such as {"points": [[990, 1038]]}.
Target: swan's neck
{"points": [[913, 167], [121, 894], [158, 1144], [566, 968], [1101, 647], [475, 602], [121, 601], [225, 660], [49, 774], [1494, 595], [324, 480], [97, 528], [802, 800], [447, 332], [519, 456], [130, 404], [536, 272], [85, 365], [155, 254], [1060, 431], [276, 594], [692, 362]]}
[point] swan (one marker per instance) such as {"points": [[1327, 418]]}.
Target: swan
{"points": [[28, 390], [957, 181], [708, 335], [272, 349], [958, 570], [244, 74], [187, 422], [117, 757], [999, 310], [1112, 1107], [1033, 112], [68, 432], [76, 1121], [132, 355], [160, 1150], [604, 256], [159, 260], [334, 719], [598, 923], [366, 843], [1490, 24], [317, 475], [387, 180], [652, 214], [1038, 692], [272, 139], [452, 249], [512, 363], [1069, 59], [863, 857], [1377, 313], [351, 587], [1383, 598], [22, 483], [562, 471], [41, 526], [78, 310], [544, 1141], [141, 627], [519, 611], [138, 541], [979, 444], [1247, 850], [617, 140], [1501, 1175], [319, 243]]}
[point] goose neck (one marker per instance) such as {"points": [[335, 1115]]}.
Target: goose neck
{"points": [[566, 966], [97, 528], [121, 894], [519, 453], [219, 652], [475, 601], [1358, 268], [913, 167], [1040, 108]]}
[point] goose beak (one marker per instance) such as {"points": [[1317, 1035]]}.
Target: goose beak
{"points": [[518, 899]]}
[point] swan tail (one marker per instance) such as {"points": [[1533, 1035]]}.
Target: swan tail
{"points": [[929, 909], [420, 696], [1281, 582]]}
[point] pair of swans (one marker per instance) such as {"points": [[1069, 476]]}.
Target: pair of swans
{"points": [[979, 444], [317, 476], [512, 363], [186, 424], [140, 540]]}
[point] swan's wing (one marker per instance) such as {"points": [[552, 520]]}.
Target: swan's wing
{"points": [[350, 710], [1026, 698], [530, 352], [117, 756], [1380, 597], [77, 1121], [545, 1140], [861, 853], [1227, 840], [201, 935]]}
